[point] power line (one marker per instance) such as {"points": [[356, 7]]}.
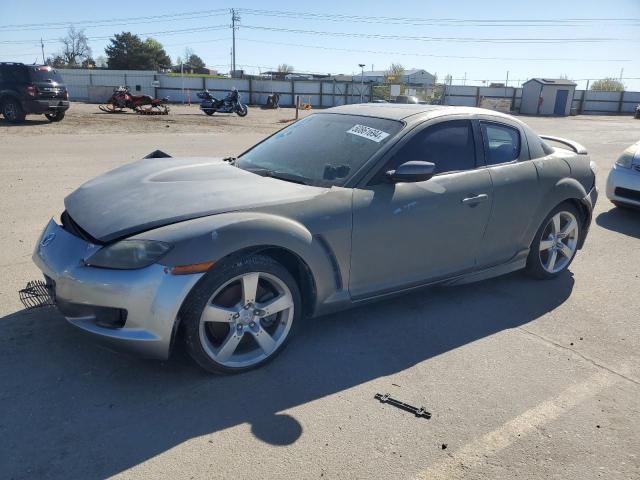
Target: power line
{"points": [[572, 22], [436, 39], [131, 20], [382, 52], [164, 32]]}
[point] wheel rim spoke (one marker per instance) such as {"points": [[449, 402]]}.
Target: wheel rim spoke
{"points": [[551, 263], [279, 304], [266, 341], [555, 223], [546, 245], [214, 313], [569, 228], [566, 251], [249, 287], [229, 345]]}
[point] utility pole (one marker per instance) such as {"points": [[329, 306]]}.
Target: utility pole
{"points": [[42, 45], [621, 72], [234, 18], [361, 65]]}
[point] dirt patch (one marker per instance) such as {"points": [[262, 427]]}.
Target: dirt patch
{"points": [[87, 118]]}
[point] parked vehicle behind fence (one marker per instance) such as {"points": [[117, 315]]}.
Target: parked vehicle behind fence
{"points": [[230, 104]]}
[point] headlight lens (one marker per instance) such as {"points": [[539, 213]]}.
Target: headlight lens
{"points": [[129, 254], [626, 158]]}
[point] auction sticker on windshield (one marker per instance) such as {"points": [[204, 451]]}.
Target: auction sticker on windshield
{"points": [[368, 132]]}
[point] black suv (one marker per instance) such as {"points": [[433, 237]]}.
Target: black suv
{"points": [[27, 89]]}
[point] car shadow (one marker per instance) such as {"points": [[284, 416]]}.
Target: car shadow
{"points": [[621, 220], [69, 409], [28, 121]]}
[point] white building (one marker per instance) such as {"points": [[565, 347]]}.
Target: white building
{"points": [[415, 76]]}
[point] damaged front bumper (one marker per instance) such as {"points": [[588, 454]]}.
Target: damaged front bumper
{"points": [[130, 310]]}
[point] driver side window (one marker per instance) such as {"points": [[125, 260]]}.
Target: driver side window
{"points": [[449, 145]]}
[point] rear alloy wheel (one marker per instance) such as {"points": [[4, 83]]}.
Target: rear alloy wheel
{"points": [[12, 111], [245, 318], [56, 116], [556, 243]]}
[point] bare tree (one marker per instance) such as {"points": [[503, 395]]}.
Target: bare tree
{"points": [[395, 73], [608, 85], [285, 68], [75, 47]]}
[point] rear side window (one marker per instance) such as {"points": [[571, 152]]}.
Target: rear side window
{"points": [[13, 73], [449, 145], [502, 143]]}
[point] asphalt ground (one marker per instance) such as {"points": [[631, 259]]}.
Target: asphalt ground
{"points": [[525, 379]]}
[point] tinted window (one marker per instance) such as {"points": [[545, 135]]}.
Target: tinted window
{"points": [[44, 74], [321, 149], [449, 145], [14, 73], [502, 143]]}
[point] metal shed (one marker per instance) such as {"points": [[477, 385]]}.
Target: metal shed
{"points": [[547, 96]]}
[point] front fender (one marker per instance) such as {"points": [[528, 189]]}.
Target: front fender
{"points": [[216, 237]]}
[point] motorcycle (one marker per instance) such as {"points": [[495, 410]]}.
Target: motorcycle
{"points": [[230, 104], [143, 104], [637, 114]]}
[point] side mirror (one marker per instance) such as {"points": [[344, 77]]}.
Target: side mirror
{"points": [[415, 171]]}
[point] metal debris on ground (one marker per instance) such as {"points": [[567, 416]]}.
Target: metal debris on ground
{"points": [[36, 294], [417, 411]]}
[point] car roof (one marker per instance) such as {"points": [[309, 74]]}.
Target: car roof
{"points": [[402, 111]]}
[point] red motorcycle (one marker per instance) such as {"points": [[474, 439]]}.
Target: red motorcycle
{"points": [[143, 104]]}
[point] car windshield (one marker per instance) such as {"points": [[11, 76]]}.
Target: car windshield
{"points": [[322, 149], [44, 74]]}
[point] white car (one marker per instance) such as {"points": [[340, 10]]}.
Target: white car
{"points": [[623, 184]]}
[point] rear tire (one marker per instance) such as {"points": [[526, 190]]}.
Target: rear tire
{"points": [[556, 242], [241, 315], [209, 112], [12, 111], [55, 117]]}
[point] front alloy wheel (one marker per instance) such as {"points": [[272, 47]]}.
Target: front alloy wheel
{"points": [[247, 318]]}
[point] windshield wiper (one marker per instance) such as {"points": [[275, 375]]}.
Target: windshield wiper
{"points": [[287, 177]]}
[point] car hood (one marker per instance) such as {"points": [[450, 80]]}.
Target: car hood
{"points": [[159, 191]]}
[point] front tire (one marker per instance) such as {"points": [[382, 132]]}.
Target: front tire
{"points": [[12, 111], [556, 243], [241, 315], [242, 110], [55, 117]]}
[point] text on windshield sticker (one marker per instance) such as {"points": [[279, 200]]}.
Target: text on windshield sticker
{"points": [[368, 132]]}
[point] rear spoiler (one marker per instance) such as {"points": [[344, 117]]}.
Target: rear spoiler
{"points": [[575, 146]]}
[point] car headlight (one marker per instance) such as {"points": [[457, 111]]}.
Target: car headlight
{"points": [[128, 254], [626, 158]]}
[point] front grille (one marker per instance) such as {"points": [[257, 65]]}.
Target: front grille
{"points": [[627, 193]]}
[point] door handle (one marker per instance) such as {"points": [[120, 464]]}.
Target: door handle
{"points": [[475, 199]]}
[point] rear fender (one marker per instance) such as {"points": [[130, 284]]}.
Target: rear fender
{"points": [[566, 189]]}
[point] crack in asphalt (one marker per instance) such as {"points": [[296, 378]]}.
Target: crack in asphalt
{"points": [[581, 355]]}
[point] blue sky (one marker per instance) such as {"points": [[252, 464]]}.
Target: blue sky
{"points": [[595, 48]]}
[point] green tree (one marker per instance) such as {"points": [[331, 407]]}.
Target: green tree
{"points": [[608, 85], [159, 57], [128, 52], [56, 61], [196, 64]]}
